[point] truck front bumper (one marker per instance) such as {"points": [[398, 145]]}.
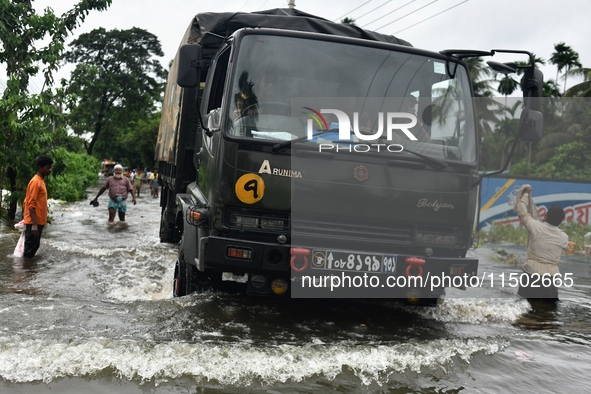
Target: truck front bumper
{"points": [[357, 274]]}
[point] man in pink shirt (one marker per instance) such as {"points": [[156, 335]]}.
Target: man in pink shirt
{"points": [[119, 186]]}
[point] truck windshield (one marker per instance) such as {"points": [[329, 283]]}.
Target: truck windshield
{"points": [[285, 88]]}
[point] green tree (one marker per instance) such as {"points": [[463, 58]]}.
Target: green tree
{"points": [[558, 57], [551, 89], [507, 85], [565, 58], [348, 21], [116, 81], [582, 89], [26, 119], [563, 148], [72, 173], [485, 106], [136, 144]]}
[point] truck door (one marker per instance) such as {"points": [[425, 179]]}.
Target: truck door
{"points": [[213, 100]]}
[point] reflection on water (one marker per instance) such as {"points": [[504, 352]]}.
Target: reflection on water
{"points": [[23, 271], [94, 311]]}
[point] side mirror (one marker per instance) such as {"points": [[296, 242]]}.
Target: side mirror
{"points": [[214, 120], [503, 68], [533, 88], [531, 125], [188, 58]]}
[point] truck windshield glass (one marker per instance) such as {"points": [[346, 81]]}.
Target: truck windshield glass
{"points": [[283, 89]]}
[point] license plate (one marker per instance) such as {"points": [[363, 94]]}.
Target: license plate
{"points": [[353, 261]]}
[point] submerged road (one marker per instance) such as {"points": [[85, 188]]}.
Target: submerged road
{"points": [[94, 313]]}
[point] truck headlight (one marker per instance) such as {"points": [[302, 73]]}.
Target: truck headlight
{"points": [[247, 219], [244, 221], [271, 223]]}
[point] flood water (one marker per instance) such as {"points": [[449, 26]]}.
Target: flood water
{"points": [[93, 312]]}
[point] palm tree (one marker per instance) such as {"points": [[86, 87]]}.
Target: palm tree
{"points": [[564, 57], [557, 57], [551, 89], [563, 134], [506, 128], [507, 86], [582, 89], [485, 106]]}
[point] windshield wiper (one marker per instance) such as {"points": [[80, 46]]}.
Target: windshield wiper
{"points": [[285, 144], [438, 164]]}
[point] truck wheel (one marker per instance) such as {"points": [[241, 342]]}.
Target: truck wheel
{"points": [[183, 275], [165, 231], [179, 285]]}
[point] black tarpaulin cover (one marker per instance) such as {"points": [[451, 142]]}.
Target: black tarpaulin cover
{"points": [[225, 23]]}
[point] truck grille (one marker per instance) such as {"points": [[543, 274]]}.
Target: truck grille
{"points": [[364, 234]]}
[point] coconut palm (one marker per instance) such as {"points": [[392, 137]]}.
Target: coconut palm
{"points": [[564, 57], [582, 89], [485, 106], [562, 128], [507, 86], [551, 89], [557, 57]]}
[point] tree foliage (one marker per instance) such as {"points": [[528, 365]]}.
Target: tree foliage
{"points": [[116, 81], [26, 119], [582, 89], [564, 57], [71, 174], [134, 145], [563, 151]]}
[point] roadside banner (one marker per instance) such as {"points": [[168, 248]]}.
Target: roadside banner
{"points": [[498, 196]]}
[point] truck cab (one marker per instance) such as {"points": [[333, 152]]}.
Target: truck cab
{"points": [[318, 155]]}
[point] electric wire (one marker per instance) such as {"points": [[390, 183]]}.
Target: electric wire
{"points": [[389, 13], [262, 5], [432, 16], [369, 12], [353, 10], [243, 5], [404, 16]]}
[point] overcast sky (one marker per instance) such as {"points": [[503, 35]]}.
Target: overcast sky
{"points": [[533, 25]]}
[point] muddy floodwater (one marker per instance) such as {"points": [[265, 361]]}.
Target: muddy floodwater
{"points": [[93, 312]]}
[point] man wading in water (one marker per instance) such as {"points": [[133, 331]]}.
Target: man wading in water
{"points": [[118, 186], [544, 249]]}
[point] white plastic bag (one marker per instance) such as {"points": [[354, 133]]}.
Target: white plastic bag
{"points": [[19, 250], [20, 226]]}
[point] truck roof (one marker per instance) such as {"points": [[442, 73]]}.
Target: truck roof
{"points": [[225, 23]]}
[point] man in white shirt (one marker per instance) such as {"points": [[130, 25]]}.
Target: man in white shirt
{"points": [[544, 249]]}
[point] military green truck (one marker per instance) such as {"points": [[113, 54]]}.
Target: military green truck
{"points": [[305, 158]]}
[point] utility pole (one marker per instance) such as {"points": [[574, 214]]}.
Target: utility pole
{"points": [[291, 4]]}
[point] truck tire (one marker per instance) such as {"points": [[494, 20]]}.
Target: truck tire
{"points": [[183, 278], [188, 279], [166, 233], [179, 284]]}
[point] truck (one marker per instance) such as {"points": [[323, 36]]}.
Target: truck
{"points": [[108, 166], [290, 165]]}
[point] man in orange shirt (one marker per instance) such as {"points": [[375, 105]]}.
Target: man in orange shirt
{"points": [[35, 206]]}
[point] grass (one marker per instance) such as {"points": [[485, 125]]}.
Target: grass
{"points": [[518, 235]]}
